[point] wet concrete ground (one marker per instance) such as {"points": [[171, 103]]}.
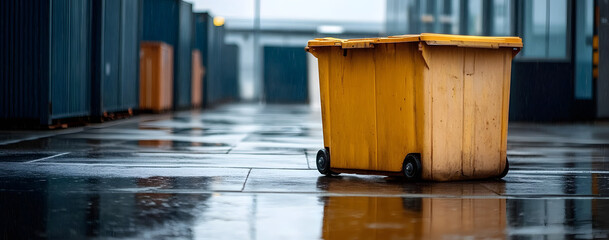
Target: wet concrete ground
{"points": [[248, 172]]}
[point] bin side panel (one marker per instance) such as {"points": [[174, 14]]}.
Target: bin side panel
{"points": [[353, 107], [323, 63], [423, 106], [487, 101], [395, 104], [507, 71], [446, 86], [468, 121]]}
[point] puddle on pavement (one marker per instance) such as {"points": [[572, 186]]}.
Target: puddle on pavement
{"points": [[57, 144], [147, 208], [175, 145], [22, 157]]}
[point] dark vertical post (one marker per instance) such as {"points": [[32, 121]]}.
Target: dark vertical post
{"points": [[46, 24], [447, 11], [463, 14], [257, 78], [515, 17], [488, 19], [414, 16], [603, 61]]}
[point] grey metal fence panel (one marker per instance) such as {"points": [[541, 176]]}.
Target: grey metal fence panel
{"points": [[116, 56], [45, 60]]}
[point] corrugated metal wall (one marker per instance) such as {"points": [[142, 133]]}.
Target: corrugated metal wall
{"points": [[116, 55], [203, 27], [77, 58], [216, 86], [131, 33], [70, 58], [24, 56], [230, 72], [45, 59], [183, 78], [285, 75], [163, 22], [209, 40]]}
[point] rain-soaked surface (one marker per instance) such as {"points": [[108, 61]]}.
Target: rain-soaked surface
{"points": [[248, 172]]}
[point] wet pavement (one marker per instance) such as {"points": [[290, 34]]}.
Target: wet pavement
{"points": [[248, 172]]}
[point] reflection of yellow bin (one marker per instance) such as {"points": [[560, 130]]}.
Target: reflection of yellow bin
{"points": [[349, 217], [427, 106], [391, 217]]}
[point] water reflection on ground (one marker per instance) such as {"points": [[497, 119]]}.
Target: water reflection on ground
{"points": [[104, 208], [247, 172]]}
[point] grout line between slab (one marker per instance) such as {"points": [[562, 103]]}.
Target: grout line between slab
{"points": [[490, 189], [362, 194], [43, 135], [49, 157], [246, 177], [307, 158]]}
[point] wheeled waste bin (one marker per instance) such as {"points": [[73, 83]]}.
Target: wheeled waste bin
{"points": [[428, 106]]}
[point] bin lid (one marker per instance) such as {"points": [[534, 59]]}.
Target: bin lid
{"points": [[428, 38]]}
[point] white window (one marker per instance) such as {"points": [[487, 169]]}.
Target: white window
{"points": [[544, 29]]}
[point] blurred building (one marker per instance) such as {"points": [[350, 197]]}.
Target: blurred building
{"points": [[286, 41], [271, 35], [555, 77]]}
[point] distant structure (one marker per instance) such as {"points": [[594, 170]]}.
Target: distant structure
{"points": [[286, 34], [556, 76]]}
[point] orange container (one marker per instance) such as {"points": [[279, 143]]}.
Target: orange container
{"points": [[197, 79], [156, 76]]}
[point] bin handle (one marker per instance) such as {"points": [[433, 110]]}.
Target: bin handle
{"points": [[460, 43], [515, 51], [357, 44], [312, 51], [424, 53]]}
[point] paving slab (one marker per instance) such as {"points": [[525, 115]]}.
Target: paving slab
{"points": [[247, 171]]}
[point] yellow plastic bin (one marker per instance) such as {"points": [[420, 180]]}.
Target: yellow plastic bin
{"points": [[428, 106]]}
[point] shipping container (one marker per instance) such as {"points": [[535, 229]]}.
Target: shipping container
{"points": [[115, 63], [171, 21], [203, 24], [285, 75], [44, 60], [209, 39], [230, 72]]}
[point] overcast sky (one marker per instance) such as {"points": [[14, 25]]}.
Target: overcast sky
{"points": [[312, 10]]}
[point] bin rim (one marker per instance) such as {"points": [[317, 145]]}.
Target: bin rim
{"points": [[428, 38]]}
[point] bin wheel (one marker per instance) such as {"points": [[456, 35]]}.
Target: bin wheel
{"points": [[323, 162], [411, 168], [506, 169]]}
